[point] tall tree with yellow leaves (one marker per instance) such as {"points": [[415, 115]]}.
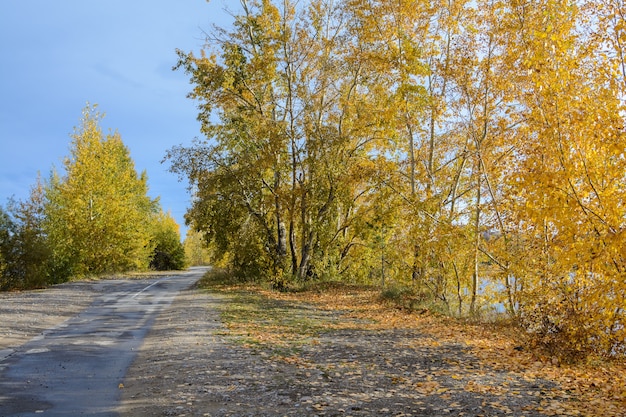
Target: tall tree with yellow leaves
{"points": [[98, 214], [289, 157], [472, 149], [567, 183]]}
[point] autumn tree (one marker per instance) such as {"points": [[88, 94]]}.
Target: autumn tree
{"points": [[281, 170], [24, 250], [6, 231], [243, 173], [563, 186], [387, 40], [169, 253], [196, 251], [97, 215], [473, 150]]}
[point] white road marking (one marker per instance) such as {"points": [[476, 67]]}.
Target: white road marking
{"points": [[38, 350], [151, 285]]}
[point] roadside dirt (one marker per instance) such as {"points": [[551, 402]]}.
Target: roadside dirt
{"points": [[189, 366], [26, 314]]}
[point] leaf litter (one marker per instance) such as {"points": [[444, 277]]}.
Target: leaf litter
{"points": [[342, 352]]}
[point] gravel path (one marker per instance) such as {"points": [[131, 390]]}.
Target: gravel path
{"points": [[26, 314], [188, 367]]}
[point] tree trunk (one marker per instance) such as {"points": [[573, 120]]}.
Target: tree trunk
{"points": [[476, 241], [281, 233]]}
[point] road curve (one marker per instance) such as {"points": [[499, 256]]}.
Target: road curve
{"points": [[76, 368]]}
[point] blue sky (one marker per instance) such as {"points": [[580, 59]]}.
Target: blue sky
{"points": [[59, 55]]}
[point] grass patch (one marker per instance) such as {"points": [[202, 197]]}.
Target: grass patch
{"points": [[326, 287], [217, 279], [405, 298], [258, 318]]}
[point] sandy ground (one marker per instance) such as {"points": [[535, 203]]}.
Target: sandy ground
{"points": [[26, 314]]}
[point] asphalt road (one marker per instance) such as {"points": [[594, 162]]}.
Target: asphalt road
{"points": [[76, 368]]}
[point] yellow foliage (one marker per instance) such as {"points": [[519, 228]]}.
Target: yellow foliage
{"points": [[473, 150]]}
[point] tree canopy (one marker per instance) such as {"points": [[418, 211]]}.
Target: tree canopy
{"points": [[92, 218], [97, 214], [473, 150]]}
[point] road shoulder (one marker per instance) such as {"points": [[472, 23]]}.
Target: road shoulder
{"points": [[27, 314], [173, 365], [190, 365]]}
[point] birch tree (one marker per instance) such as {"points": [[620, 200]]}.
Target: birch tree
{"points": [[98, 214]]}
